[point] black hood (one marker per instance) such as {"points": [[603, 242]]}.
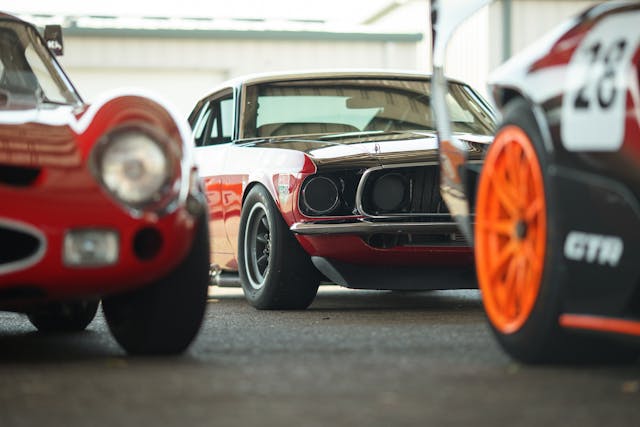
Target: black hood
{"points": [[369, 149]]}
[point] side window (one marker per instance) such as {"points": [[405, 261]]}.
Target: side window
{"points": [[201, 124], [221, 121], [214, 131], [226, 115]]}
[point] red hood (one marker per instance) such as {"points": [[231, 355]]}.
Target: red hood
{"points": [[39, 138]]}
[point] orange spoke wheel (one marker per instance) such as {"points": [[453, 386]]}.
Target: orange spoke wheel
{"points": [[511, 229]]}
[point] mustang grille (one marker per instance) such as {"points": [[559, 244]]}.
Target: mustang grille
{"points": [[401, 191]]}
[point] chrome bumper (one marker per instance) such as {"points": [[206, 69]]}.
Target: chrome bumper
{"points": [[368, 227]]}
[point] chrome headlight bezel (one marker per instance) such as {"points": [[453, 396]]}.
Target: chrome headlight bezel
{"points": [[161, 194], [307, 195]]}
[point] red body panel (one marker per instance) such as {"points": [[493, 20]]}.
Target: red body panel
{"points": [[228, 174], [67, 196]]}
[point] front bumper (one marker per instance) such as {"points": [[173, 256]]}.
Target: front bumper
{"points": [[362, 227], [365, 242], [405, 278], [147, 249]]}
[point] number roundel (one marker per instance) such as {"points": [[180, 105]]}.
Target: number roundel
{"points": [[597, 80]]}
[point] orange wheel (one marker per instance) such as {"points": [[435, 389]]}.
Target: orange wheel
{"points": [[511, 230]]}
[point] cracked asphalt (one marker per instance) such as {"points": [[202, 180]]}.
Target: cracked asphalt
{"points": [[355, 358]]}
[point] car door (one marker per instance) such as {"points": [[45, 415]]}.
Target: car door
{"points": [[212, 122]]}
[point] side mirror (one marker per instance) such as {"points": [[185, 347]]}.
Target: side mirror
{"points": [[53, 37]]}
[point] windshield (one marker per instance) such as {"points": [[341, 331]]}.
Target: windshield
{"points": [[357, 105], [28, 73]]}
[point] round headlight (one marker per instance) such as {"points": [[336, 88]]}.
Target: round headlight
{"points": [[320, 195], [133, 167], [389, 192]]}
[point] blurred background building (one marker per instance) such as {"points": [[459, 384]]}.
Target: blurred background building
{"points": [[181, 50]]}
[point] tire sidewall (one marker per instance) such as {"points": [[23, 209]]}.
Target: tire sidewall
{"points": [[256, 296], [534, 340], [64, 317], [164, 317]]}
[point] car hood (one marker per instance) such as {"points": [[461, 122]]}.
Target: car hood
{"points": [[38, 138], [368, 149]]}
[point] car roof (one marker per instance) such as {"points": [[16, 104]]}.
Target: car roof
{"points": [[328, 73], [280, 76]]}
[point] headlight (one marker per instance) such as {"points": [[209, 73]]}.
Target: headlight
{"points": [[389, 192], [320, 195], [133, 164]]}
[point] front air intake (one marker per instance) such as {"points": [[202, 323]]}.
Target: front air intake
{"points": [[18, 176], [19, 248]]}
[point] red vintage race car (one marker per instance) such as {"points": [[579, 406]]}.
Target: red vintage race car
{"points": [[332, 175], [99, 202], [557, 208]]}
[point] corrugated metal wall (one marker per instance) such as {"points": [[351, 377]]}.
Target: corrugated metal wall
{"points": [[467, 56], [532, 18], [184, 70], [477, 47]]}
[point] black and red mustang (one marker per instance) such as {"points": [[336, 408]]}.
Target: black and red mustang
{"points": [[332, 174]]}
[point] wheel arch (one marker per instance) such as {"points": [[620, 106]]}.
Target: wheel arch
{"points": [[248, 188], [503, 95], [270, 189]]}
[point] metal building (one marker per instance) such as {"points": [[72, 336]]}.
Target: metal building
{"points": [[183, 57]]}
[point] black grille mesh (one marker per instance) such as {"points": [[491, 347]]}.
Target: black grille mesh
{"points": [[423, 191]]}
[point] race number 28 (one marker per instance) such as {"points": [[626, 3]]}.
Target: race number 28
{"points": [[593, 108], [601, 87]]}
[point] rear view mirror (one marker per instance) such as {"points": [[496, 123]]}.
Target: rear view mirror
{"points": [[53, 37], [356, 103]]}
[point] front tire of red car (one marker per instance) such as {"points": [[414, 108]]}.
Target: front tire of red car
{"points": [[64, 317], [276, 273], [163, 318]]}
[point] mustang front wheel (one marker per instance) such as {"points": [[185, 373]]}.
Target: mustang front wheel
{"points": [[164, 316], [276, 273]]}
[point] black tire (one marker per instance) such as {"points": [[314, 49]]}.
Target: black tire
{"points": [[164, 316], [276, 273], [540, 339], [64, 317]]}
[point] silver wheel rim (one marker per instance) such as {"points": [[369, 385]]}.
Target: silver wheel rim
{"points": [[257, 246]]}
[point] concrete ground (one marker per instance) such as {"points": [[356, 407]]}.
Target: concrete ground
{"points": [[355, 358]]}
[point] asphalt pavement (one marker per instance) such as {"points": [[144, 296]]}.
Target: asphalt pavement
{"points": [[355, 358]]}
